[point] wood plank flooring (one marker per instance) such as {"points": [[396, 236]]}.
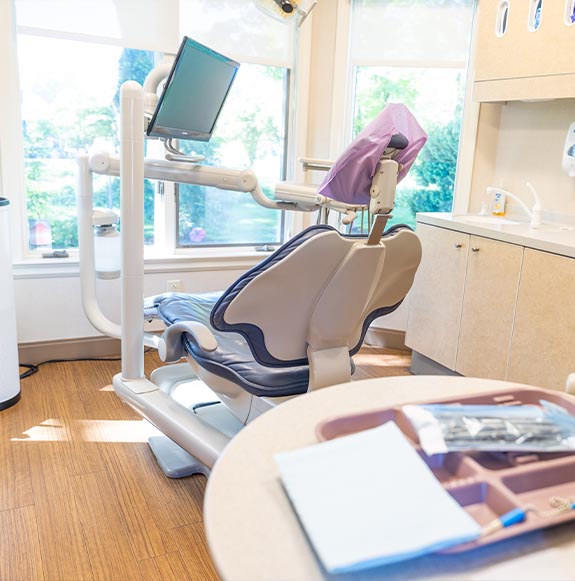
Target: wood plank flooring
{"points": [[81, 496]]}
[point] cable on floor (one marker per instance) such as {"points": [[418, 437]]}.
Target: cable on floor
{"points": [[31, 368]]}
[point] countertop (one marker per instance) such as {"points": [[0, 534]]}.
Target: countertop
{"points": [[549, 237]]}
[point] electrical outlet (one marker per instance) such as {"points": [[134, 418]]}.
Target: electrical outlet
{"points": [[174, 286]]}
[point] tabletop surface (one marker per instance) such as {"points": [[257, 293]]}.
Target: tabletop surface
{"points": [[254, 534]]}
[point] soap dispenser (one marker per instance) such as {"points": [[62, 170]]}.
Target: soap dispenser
{"points": [[569, 152], [497, 197]]}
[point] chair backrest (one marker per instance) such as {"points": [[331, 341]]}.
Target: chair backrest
{"points": [[319, 290]]}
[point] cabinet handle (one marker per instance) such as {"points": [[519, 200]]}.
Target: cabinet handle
{"points": [[458, 245], [475, 249]]}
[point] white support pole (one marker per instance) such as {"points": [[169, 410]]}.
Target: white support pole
{"points": [[132, 228]]}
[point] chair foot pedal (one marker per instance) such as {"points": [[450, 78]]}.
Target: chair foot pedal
{"points": [[174, 461]]}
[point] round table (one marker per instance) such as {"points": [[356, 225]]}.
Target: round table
{"points": [[254, 534]]}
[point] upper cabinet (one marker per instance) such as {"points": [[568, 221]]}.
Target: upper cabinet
{"points": [[524, 50]]}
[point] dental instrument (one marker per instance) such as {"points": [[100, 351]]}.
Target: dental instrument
{"points": [[534, 213], [514, 516], [445, 428], [289, 325]]}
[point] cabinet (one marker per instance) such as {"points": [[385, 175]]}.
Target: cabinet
{"points": [[437, 294], [490, 293], [518, 64], [463, 301], [543, 345], [487, 308]]}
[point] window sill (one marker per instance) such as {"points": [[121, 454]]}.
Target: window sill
{"points": [[205, 259]]}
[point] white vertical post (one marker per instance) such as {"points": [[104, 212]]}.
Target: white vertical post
{"points": [[132, 228]]}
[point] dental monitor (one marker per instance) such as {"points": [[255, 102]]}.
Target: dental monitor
{"points": [[193, 94]]}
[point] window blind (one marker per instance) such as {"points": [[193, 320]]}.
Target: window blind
{"points": [[240, 30], [417, 31], [140, 24], [237, 28]]}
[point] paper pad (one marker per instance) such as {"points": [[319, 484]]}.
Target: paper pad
{"points": [[368, 499]]}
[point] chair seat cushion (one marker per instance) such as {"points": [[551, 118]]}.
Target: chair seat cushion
{"points": [[233, 359]]}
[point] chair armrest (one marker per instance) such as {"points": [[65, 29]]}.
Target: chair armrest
{"points": [[171, 347]]}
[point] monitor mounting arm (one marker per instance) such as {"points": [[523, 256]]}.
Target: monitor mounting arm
{"points": [[150, 89]]}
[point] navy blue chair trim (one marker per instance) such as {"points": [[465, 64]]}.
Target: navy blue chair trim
{"points": [[291, 383]]}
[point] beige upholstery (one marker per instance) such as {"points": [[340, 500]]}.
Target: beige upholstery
{"points": [[321, 294]]}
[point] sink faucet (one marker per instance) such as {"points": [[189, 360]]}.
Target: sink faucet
{"points": [[534, 213]]}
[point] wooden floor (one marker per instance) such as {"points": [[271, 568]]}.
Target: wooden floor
{"points": [[81, 496]]}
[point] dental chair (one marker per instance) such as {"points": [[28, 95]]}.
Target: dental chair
{"points": [[288, 326], [293, 322]]}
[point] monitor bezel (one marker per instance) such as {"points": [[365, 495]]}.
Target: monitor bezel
{"points": [[177, 133]]}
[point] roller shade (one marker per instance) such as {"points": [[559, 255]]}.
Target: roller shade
{"points": [[240, 30], [141, 24], [385, 31]]}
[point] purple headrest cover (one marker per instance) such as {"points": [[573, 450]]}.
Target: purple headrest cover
{"points": [[349, 179]]}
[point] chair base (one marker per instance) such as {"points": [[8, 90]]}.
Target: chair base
{"points": [[174, 461], [195, 420]]}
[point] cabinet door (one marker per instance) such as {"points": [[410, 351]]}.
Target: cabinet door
{"points": [[520, 52], [437, 294], [543, 342], [491, 285]]}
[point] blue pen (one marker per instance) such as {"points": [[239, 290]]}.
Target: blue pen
{"points": [[512, 517]]}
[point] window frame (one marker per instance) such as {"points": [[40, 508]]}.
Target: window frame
{"points": [[165, 208]]}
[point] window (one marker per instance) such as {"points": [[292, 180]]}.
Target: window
{"points": [[251, 131], [72, 59], [421, 63], [250, 134], [69, 108]]}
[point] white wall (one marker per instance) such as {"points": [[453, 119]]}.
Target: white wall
{"points": [[50, 308], [519, 142]]}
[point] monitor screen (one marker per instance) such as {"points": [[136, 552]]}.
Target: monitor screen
{"points": [[193, 94]]}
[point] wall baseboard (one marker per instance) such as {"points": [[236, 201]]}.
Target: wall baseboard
{"points": [[37, 352], [388, 338], [422, 365]]}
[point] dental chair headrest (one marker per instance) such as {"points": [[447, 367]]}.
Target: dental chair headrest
{"points": [[349, 179]]}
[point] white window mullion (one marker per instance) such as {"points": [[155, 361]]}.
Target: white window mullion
{"points": [[340, 131]]}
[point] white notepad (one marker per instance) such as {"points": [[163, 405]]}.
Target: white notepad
{"points": [[368, 499]]}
